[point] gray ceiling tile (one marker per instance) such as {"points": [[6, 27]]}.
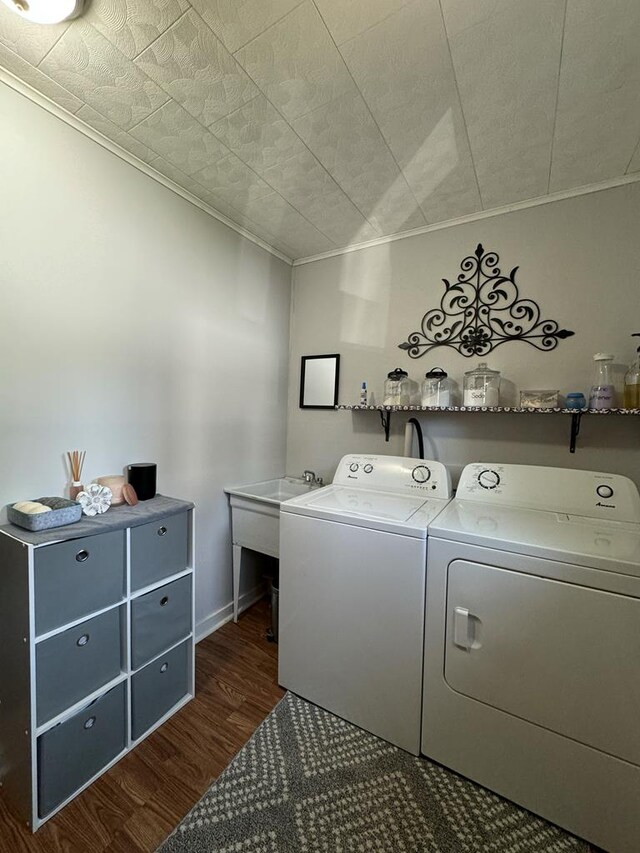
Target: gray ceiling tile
{"points": [[175, 135], [40, 82], [507, 66], [296, 63], [85, 63], [31, 41], [307, 186], [415, 103], [598, 119], [236, 22], [230, 179], [346, 20], [347, 142], [195, 68], [131, 25], [258, 134]]}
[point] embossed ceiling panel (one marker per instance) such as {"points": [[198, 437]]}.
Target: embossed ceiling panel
{"points": [[192, 66], [512, 157], [598, 120], [131, 25], [316, 124]]}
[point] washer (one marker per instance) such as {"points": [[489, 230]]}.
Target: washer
{"points": [[532, 644], [352, 582]]}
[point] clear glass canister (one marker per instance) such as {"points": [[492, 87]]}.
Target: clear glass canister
{"points": [[436, 388], [603, 392], [397, 389], [482, 386]]}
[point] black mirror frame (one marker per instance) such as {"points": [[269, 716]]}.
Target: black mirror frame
{"points": [[303, 362]]}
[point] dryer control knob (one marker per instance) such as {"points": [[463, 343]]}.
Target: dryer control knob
{"points": [[421, 473], [368, 469], [604, 491], [489, 479], [354, 467]]}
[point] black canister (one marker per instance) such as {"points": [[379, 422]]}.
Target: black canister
{"points": [[142, 476]]}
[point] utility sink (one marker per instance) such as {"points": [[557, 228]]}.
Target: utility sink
{"points": [[255, 520], [272, 491]]}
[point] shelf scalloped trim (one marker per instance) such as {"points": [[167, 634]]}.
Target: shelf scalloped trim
{"points": [[494, 409]]}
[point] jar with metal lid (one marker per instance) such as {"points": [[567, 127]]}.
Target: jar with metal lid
{"points": [[482, 386], [397, 388], [436, 388]]}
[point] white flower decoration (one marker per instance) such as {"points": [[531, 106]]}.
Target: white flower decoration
{"points": [[95, 500]]}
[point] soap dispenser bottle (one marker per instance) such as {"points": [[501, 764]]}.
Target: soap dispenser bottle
{"points": [[632, 381]]}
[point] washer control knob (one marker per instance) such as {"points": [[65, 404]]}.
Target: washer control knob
{"points": [[368, 469], [489, 479], [354, 467], [421, 473], [604, 491]]}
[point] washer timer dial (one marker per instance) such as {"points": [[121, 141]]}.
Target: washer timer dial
{"points": [[421, 474], [489, 479]]}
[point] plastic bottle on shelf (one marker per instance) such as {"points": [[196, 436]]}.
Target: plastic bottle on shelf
{"points": [[363, 394], [632, 382], [603, 392]]}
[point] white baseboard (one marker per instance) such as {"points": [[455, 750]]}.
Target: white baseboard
{"points": [[220, 617]]}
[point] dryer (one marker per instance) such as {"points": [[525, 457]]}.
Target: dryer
{"points": [[532, 644], [352, 586]]}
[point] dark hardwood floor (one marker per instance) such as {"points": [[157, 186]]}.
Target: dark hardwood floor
{"points": [[134, 806]]}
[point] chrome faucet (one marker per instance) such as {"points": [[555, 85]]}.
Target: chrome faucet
{"points": [[311, 478]]}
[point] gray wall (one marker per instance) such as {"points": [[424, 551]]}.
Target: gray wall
{"points": [[579, 259], [136, 327]]}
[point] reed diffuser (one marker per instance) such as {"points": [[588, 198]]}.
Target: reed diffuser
{"points": [[76, 461]]}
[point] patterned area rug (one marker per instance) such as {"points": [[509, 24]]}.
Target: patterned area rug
{"points": [[308, 782]]}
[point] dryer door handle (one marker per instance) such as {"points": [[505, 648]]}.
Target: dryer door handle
{"points": [[462, 628]]}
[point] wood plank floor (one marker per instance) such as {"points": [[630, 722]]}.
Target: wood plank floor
{"points": [[134, 806]]}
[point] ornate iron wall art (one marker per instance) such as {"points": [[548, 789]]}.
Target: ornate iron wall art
{"points": [[482, 310]]}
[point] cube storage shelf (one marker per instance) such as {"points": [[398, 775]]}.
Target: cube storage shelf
{"points": [[97, 646]]}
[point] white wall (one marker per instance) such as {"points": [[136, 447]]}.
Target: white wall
{"points": [[136, 327], [579, 259]]}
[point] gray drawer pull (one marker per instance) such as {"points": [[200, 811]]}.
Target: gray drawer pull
{"points": [[164, 667], [83, 640], [89, 724], [164, 600], [81, 556], [162, 531]]}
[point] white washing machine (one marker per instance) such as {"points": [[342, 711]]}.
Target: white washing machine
{"points": [[352, 584], [532, 644]]}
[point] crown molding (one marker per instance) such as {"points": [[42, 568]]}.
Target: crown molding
{"points": [[474, 217], [68, 118]]}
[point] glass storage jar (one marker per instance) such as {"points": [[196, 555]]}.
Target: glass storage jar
{"points": [[603, 392], [481, 386], [436, 388], [632, 382], [397, 389]]}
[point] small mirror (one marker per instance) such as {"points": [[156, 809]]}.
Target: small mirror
{"points": [[319, 381]]}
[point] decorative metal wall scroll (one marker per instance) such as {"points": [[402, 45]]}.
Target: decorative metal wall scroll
{"points": [[482, 310]]}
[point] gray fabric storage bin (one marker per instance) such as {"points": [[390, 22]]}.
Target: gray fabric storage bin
{"points": [[159, 549], [159, 619], [73, 752], [76, 577], [157, 688], [76, 662]]}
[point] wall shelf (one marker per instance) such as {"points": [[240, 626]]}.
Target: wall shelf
{"points": [[576, 414]]}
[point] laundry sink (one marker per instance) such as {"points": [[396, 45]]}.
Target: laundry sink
{"points": [[255, 520], [272, 491]]}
